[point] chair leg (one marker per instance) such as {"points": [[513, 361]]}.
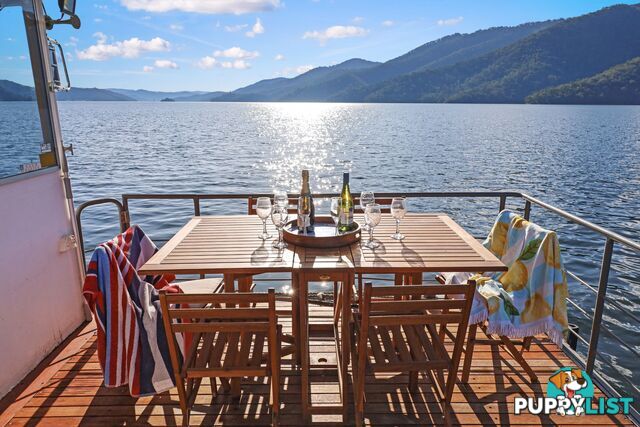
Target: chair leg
{"points": [[519, 358], [275, 379], [468, 353], [413, 381], [359, 368]]}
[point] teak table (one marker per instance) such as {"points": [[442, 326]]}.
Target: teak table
{"points": [[229, 245]]}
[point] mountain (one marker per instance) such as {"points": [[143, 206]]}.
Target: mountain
{"points": [[300, 88], [570, 49], [616, 85], [149, 95], [347, 79], [199, 97], [11, 91], [91, 94]]}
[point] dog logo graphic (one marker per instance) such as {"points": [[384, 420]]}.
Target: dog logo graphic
{"points": [[570, 386]]}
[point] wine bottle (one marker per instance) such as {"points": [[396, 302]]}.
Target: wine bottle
{"points": [[307, 200], [346, 209]]}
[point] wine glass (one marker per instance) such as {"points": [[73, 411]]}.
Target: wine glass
{"points": [[372, 216], [398, 211], [366, 197], [279, 216], [304, 212], [280, 198], [263, 210], [336, 202]]}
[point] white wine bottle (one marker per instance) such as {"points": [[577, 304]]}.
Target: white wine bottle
{"points": [[346, 223], [307, 200]]}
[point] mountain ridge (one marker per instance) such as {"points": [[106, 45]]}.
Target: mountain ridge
{"points": [[530, 62]]}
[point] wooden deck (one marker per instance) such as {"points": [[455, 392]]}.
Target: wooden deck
{"points": [[66, 390]]}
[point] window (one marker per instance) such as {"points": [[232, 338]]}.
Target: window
{"points": [[22, 146]]}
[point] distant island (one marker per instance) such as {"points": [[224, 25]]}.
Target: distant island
{"points": [[167, 100], [589, 59]]}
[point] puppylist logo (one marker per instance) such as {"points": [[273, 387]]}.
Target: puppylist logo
{"points": [[570, 392]]}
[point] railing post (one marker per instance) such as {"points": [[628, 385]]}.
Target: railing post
{"points": [[125, 218], [527, 210], [196, 206], [503, 202], [599, 308]]}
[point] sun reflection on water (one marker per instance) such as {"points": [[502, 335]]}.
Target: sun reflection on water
{"points": [[303, 136]]}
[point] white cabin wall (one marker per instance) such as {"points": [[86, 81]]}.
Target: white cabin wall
{"points": [[40, 287]]}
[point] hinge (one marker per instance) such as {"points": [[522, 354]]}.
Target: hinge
{"points": [[67, 187]]}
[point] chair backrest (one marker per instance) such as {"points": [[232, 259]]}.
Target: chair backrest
{"points": [[223, 312], [230, 313], [415, 304]]}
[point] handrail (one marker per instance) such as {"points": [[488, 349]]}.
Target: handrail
{"points": [[611, 238], [122, 215], [593, 227]]}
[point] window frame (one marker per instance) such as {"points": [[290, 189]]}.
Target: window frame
{"points": [[33, 18]]}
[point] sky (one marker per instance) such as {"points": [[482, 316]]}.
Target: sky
{"points": [[210, 45]]}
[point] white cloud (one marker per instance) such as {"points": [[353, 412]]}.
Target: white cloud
{"points": [[207, 62], [279, 57], [357, 20], [238, 64], [147, 69], [336, 32], [257, 28], [176, 27], [73, 41], [388, 23], [234, 28], [450, 22], [102, 37], [131, 48], [101, 6], [237, 59], [236, 53], [294, 71], [165, 63], [236, 7], [97, 20]]}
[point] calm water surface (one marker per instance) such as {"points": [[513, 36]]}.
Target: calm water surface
{"points": [[581, 158]]}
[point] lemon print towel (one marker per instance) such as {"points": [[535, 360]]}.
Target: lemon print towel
{"points": [[530, 298]]}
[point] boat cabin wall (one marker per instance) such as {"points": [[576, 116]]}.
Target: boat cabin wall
{"points": [[40, 278]]}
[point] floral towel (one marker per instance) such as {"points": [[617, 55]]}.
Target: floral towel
{"points": [[530, 298]]}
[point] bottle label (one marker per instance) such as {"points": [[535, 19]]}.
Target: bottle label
{"points": [[346, 218]]}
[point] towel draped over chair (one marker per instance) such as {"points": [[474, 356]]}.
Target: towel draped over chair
{"points": [[528, 299], [132, 345]]}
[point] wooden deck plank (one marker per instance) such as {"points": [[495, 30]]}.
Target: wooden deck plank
{"points": [[73, 395]]}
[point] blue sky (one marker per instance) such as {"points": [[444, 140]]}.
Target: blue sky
{"points": [[226, 44]]}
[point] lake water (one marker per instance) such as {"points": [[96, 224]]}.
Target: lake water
{"points": [[580, 158]]}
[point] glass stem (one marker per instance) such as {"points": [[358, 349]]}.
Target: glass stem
{"points": [[280, 235], [370, 234], [397, 226], [264, 227]]}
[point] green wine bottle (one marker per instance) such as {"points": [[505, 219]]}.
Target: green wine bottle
{"points": [[346, 223]]}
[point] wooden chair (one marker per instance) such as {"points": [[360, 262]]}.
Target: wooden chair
{"points": [[509, 344], [227, 340], [395, 328]]}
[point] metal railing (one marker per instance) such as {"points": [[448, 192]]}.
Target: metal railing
{"points": [[611, 239]]}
